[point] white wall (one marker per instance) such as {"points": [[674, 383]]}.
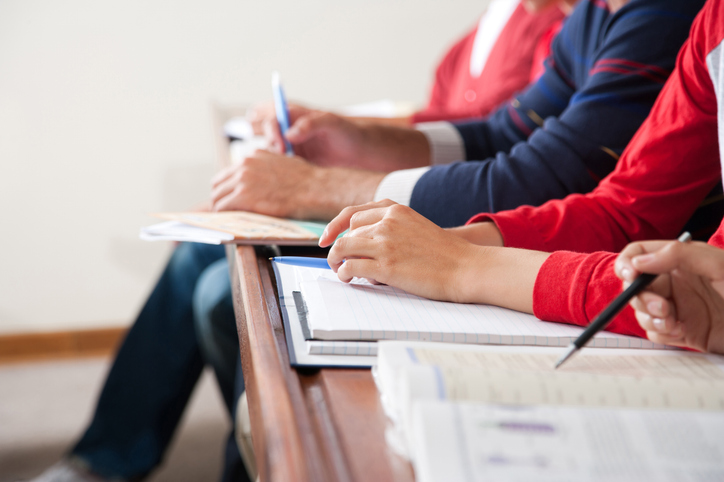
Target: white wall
{"points": [[104, 117]]}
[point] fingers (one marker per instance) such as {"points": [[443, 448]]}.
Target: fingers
{"points": [[342, 222], [654, 304], [359, 268], [222, 191], [258, 114], [222, 176], [228, 182], [696, 258], [307, 126], [274, 136], [348, 248], [624, 267]]}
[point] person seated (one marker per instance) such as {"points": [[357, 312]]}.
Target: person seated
{"points": [[562, 135], [557, 260], [162, 356]]}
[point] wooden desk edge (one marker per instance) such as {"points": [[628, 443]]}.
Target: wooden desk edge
{"points": [[278, 444]]}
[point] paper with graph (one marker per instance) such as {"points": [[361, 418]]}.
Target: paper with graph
{"points": [[478, 442], [339, 311]]}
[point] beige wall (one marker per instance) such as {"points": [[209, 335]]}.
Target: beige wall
{"points": [[104, 117]]}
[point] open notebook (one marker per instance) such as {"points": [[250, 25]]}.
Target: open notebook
{"points": [[335, 318], [233, 227]]}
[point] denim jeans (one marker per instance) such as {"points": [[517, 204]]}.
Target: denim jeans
{"points": [[153, 376]]}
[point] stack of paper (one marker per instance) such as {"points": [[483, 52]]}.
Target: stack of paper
{"points": [[502, 413]]}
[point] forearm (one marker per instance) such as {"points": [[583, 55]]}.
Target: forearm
{"points": [[329, 190], [385, 121], [500, 276]]}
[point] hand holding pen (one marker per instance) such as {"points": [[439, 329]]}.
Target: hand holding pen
{"points": [[684, 306], [636, 286]]}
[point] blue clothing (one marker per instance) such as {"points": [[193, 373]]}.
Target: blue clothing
{"points": [[154, 374], [219, 342], [603, 76]]}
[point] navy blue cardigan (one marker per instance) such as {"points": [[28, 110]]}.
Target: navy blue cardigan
{"points": [[600, 82]]}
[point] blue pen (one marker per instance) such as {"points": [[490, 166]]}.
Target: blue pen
{"points": [[303, 261], [282, 111]]}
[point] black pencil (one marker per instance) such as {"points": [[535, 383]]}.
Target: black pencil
{"points": [[607, 315]]}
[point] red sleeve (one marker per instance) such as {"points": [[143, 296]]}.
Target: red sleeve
{"points": [[663, 175], [576, 287]]}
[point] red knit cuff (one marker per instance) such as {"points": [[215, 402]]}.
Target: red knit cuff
{"points": [[559, 291], [575, 287]]}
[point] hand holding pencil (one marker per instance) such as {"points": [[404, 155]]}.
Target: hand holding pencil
{"points": [[684, 306]]}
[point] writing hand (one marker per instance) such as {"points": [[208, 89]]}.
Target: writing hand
{"points": [[684, 306]]}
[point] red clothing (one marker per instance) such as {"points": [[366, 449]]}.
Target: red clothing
{"points": [[666, 171], [456, 94], [543, 51]]}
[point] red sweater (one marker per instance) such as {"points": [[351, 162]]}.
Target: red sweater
{"points": [[664, 174], [456, 94]]}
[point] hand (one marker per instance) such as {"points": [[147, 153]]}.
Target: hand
{"points": [[684, 306], [265, 183], [324, 139], [264, 112], [327, 139], [290, 187], [392, 244]]}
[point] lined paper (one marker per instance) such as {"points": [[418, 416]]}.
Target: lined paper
{"points": [[339, 311]]}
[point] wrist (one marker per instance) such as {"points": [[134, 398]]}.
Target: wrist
{"points": [[497, 276], [482, 234], [329, 190], [389, 148]]}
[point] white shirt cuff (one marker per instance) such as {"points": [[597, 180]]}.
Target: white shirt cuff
{"points": [[398, 185], [446, 143]]}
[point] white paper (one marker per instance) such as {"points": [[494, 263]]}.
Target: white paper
{"points": [[177, 231], [339, 311], [476, 442]]}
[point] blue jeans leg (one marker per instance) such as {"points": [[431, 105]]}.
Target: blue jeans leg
{"points": [[216, 327], [218, 339], [152, 377]]}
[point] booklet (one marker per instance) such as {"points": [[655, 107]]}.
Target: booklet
{"points": [[233, 227]]}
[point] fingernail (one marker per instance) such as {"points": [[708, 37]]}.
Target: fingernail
{"points": [[627, 274], [659, 323], [642, 259], [292, 132], [655, 308]]}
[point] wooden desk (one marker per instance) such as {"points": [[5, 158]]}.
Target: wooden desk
{"points": [[322, 425], [308, 426]]}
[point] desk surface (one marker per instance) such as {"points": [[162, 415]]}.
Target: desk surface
{"points": [[322, 425]]}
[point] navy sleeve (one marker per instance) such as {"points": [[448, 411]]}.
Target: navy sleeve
{"points": [[572, 152]]}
